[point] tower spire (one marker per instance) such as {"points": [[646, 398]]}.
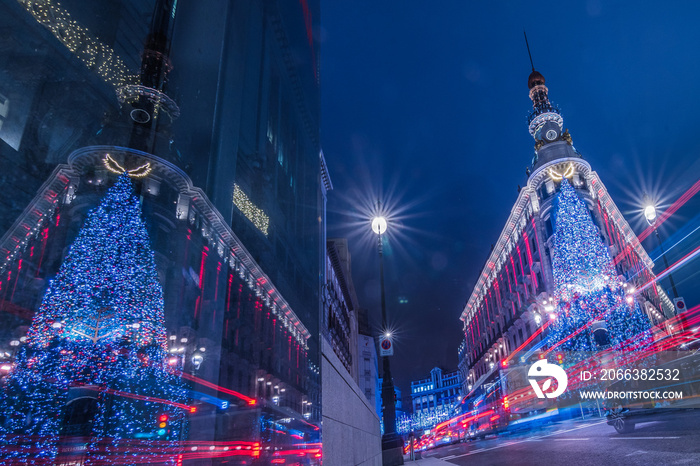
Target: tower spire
{"points": [[528, 51], [545, 122], [543, 114]]}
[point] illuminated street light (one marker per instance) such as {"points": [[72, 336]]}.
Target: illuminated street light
{"points": [[379, 225], [390, 440], [650, 215]]}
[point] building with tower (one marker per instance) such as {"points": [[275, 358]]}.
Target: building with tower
{"points": [[515, 293], [213, 115]]}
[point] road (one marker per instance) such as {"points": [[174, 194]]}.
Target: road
{"points": [[667, 441]]}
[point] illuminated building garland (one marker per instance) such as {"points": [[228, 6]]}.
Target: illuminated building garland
{"points": [[96, 55], [138, 172], [99, 329], [556, 176], [250, 210]]}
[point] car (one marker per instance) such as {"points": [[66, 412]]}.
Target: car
{"points": [[678, 371]]}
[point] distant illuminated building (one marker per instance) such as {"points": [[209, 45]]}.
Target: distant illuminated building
{"points": [[404, 419], [434, 398], [463, 367], [513, 294]]}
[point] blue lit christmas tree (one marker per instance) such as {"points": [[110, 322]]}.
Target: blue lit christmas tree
{"points": [[587, 288], [98, 335]]}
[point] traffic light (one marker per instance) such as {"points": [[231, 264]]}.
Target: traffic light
{"points": [[560, 358], [163, 424]]}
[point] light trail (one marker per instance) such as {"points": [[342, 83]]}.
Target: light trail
{"points": [[532, 350], [688, 257], [677, 243], [527, 342], [134, 396], [250, 401], [685, 197]]}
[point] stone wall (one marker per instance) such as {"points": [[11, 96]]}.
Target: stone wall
{"points": [[351, 434]]}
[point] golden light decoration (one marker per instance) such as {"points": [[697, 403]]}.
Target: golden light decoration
{"points": [[252, 212], [138, 172], [556, 176], [96, 55]]}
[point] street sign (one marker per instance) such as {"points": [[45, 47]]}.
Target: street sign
{"points": [[679, 303], [385, 346]]}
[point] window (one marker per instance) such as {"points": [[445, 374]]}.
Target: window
{"points": [[4, 109]]}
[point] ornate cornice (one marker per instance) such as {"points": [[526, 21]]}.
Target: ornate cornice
{"points": [[220, 235]]}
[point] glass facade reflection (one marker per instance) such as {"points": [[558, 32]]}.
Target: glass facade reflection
{"points": [[160, 253]]}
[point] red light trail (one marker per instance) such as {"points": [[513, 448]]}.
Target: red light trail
{"points": [[685, 197], [527, 342], [134, 396], [250, 401]]}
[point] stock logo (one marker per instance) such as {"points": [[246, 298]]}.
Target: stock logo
{"points": [[542, 369]]}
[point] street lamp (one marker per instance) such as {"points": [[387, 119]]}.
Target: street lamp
{"points": [[650, 215], [379, 227], [390, 439]]}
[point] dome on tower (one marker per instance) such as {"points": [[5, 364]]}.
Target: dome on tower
{"points": [[535, 79]]}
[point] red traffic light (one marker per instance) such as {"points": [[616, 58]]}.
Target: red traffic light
{"points": [[163, 418]]}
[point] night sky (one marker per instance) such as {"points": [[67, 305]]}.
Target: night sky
{"points": [[424, 104]]}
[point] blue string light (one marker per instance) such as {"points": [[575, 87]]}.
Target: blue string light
{"points": [[99, 336], [587, 287]]}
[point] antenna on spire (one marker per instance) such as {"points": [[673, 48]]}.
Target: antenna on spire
{"points": [[528, 50]]}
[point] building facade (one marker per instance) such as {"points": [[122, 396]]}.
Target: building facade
{"points": [[351, 427], [213, 114], [340, 305], [514, 292], [368, 363], [435, 398]]}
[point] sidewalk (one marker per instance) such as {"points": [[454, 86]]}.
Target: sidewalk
{"points": [[425, 461]]}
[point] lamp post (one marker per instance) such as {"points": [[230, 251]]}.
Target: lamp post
{"points": [[650, 215], [392, 445]]}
